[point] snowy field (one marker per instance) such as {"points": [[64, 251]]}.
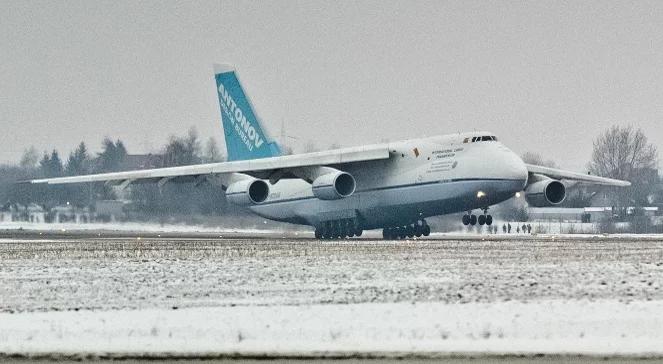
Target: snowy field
{"points": [[190, 296]]}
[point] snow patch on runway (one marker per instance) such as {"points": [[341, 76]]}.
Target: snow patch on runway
{"points": [[571, 327], [131, 227]]}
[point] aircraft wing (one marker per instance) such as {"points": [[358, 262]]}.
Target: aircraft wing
{"points": [[577, 177], [259, 168]]}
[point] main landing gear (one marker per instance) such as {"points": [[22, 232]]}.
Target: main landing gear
{"points": [[338, 229], [417, 229], [471, 219]]}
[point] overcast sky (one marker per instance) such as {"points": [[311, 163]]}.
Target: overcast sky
{"points": [[544, 76]]}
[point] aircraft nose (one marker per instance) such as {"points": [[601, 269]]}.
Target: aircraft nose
{"points": [[515, 168]]}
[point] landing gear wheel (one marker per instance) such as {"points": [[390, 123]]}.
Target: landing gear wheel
{"points": [[426, 229], [482, 219], [349, 230], [473, 220], [489, 220], [466, 219], [338, 230], [325, 230], [401, 232], [318, 233], [389, 233], [409, 231]]}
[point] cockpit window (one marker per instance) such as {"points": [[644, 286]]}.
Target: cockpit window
{"points": [[483, 138]]}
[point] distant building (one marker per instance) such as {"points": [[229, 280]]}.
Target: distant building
{"points": [[70, 213], [555, 213], [583, 214], [110, 210], [18, 212]]}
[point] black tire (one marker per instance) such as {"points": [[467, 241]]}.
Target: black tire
{"points": [[358, 232], [473, 220], [489, 220], [466, 220], [409, 231], [349, 229], [399, 233], [482, 219], [318, 234], [426, 231]]}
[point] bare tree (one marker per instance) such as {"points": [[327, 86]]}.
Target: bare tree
{"points": [[30, 158], [310, 147], [536, 159], [286, 150], [212, 153], [622, 152], [625, 153]]}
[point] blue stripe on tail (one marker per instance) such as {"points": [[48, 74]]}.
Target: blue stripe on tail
{"points": [[245, 138]]}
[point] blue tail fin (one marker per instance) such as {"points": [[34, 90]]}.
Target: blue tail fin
{"points": [[245, 139]]}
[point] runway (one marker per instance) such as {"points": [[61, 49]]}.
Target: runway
{"points": [[91, 277], [116, 273]]}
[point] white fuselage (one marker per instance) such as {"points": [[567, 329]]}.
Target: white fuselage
{"points": [[423, 177]]}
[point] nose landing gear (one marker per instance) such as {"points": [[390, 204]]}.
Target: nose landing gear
{"points": [[471, 219]]}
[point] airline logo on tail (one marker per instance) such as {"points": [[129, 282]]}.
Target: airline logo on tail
{"points": [[244, 129], [245, 139]]}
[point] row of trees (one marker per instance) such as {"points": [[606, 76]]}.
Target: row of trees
{"points": [[172, 198]]}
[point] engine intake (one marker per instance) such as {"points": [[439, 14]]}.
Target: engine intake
{"points": [[333, 186], [248, 192], [547, 192]]}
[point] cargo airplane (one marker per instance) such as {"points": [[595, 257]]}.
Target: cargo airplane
{"points": [[390, 186]]}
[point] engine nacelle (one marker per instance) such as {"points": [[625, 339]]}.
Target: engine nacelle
{"points": [[334, 185], [249, 191], [546, 192]]}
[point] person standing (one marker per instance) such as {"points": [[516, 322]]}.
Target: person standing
{"points": [[509, 228], [504, 228]]}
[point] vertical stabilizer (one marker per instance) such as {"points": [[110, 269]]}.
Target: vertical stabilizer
{"points": [[245, 138]]}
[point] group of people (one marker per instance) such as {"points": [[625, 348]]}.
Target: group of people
{"points": [[525, 228]]}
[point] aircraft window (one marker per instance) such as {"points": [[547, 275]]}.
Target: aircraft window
{"points": [[466, 140], [494, 138], [474, 139], [486, 138]]}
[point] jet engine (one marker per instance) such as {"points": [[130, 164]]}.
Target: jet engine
{"points": [[248, 191], [334, 185], [545, 192]]}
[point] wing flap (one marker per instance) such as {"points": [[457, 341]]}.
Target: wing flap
{"points": [[574, 176], [263, 166]]}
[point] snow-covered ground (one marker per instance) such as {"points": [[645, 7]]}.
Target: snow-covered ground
{"points": [[128, 227], [284, 296], [548, 326]]}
